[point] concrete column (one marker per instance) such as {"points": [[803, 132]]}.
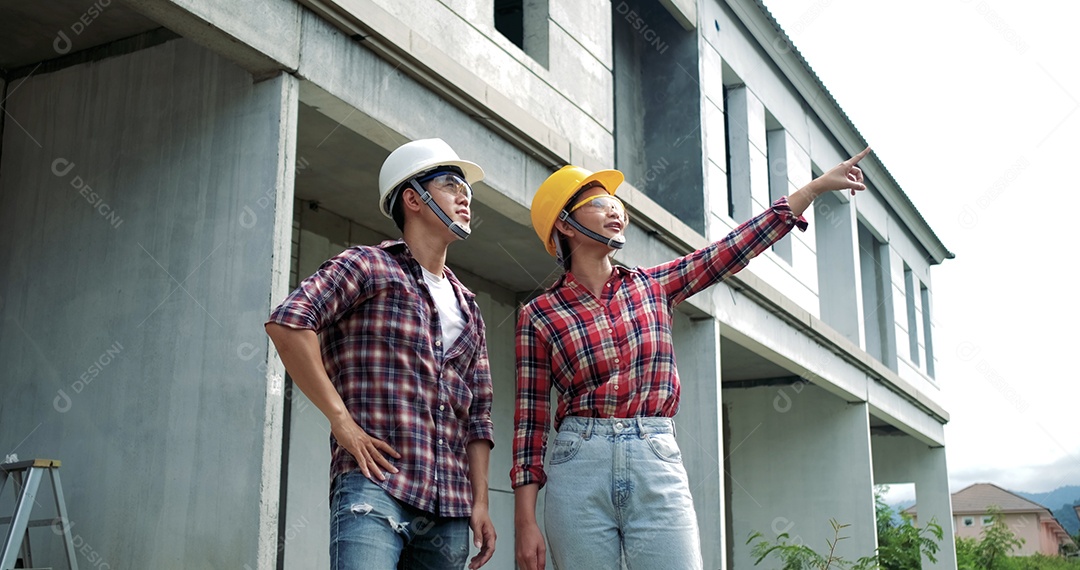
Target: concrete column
{"points": [[904, 459], [777, 145], [747, 149], [879, 322], [536, 24], [798, 456], [142, 247], [697, 347], [838, 266]]}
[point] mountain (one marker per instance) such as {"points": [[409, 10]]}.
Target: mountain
{"points": [[1060, 502], [1069, 494]]}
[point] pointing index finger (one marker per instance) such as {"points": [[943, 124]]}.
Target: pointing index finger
{"points": [[855, 159]]}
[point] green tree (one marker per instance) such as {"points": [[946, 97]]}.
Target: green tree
{"points": [[966, 553], [996, 543], [901, 545]]}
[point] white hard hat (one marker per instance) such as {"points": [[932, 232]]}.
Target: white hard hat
{"points": [[416, 157]]}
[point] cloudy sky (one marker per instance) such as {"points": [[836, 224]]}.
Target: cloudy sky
{"points": [[974, 107]]}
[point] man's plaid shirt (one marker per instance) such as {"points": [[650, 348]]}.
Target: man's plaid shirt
{"points": [[613, 357], [382, 348]]}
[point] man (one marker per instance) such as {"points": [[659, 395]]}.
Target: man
{"points": [[390, 346]]}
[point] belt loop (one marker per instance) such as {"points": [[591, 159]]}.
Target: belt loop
{"points": [[588, 427], [672, 420], [640, 427]]}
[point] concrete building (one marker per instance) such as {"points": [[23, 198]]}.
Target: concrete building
{"points": [[170, 168]]}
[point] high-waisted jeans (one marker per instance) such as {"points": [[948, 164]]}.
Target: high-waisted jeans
{"points": [[617, 490]]}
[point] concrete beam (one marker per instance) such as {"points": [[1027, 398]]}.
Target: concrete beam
{"points": [[684, 12], [262, 45], [404, 47]]}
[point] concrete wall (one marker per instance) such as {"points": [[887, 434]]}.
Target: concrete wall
{"points": [[377, 100], [570, 94], [139, 246]]}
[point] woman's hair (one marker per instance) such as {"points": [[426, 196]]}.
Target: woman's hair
{"points": [[563, 246]]}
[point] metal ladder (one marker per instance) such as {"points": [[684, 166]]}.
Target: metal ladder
{"points": [[27, 475]]}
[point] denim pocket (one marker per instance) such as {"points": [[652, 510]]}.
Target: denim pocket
{"points": [[565, 447], [663, 445]]}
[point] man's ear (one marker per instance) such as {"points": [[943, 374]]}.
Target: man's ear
{"points": [[410, 199]]}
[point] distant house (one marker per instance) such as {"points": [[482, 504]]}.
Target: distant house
{"points": [[1034, 523]]}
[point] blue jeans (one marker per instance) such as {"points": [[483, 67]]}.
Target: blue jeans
{"points": [[370, 530], [617, 491]]}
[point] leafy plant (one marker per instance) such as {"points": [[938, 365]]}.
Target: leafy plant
{"points": [[801, 557], [901, 546]]}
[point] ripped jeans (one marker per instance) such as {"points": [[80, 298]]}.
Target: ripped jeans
{"points": [[370, 530]]}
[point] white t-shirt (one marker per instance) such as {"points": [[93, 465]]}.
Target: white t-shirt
{"points": [[451, 319]]}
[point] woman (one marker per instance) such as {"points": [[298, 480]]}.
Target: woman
{"points": [[601, 335]]}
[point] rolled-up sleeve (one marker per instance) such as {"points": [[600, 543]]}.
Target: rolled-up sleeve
{"points": [[480, 424], [686, 276], [323, 297], [533, 404]]}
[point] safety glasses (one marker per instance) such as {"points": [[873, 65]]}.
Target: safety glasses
{"points": [[449, 183], [601, 203]]}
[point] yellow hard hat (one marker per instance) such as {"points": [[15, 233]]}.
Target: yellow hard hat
{"points": [[556, 191]]}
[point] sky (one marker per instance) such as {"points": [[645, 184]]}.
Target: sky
{"points": [[974, 107]]}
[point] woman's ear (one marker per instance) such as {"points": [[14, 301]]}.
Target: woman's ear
{"points": [[564, 228]]}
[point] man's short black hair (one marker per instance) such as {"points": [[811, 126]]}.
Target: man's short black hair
{"points": [[397, 211]]}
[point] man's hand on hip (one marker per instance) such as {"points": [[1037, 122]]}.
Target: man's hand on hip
{"points": [[369, 452]]}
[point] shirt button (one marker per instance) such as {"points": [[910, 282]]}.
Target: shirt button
{"points": [[616, 361], [438, 343], [616, 386], [440, 442], [441, 407]]}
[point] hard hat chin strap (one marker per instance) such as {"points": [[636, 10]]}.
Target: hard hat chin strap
{"points": [[616, 242], [459, 230]]}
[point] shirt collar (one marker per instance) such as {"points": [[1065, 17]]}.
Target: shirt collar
{"points": [[400, 248], [617, 271]]}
